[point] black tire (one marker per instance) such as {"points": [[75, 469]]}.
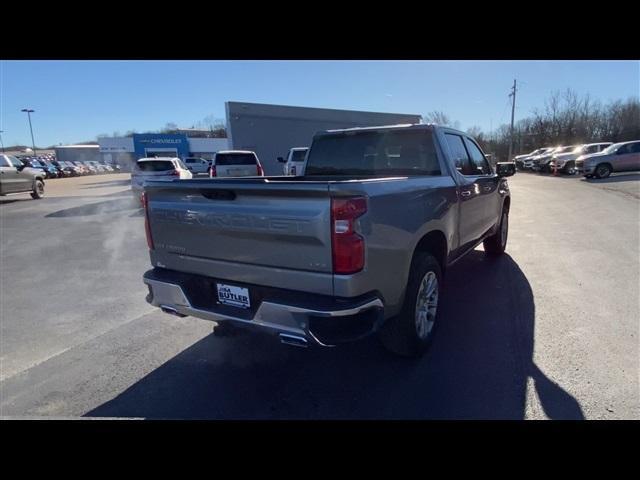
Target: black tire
{"points": [[569, 168], [496, 244], [400, 334], [603, 170], [38, 190]]}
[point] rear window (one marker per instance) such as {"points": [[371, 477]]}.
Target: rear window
{"points": [[155, 166], [298, 155], [235, 159], [374, 153]]}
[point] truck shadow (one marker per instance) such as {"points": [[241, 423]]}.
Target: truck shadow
{"points": [[98, 208], [478, 367]]}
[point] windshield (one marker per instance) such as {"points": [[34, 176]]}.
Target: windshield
{"points": [[298, 155], [223, 159], [374, 153], [155, 165]]}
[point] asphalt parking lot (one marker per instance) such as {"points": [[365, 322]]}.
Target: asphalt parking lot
{"points": [[550, 330]]}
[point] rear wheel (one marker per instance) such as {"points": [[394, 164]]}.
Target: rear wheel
{"points": [[38, 190], [411, 332], [496, 244], [603, 170]]}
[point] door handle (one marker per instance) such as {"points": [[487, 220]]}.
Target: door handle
{"points": [[465, 193]]}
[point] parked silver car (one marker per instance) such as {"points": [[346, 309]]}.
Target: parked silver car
{"points": [[619, 157], [566, 162]]}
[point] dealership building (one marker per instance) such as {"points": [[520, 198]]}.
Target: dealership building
{"points": [[269, 130], [126, 150]]}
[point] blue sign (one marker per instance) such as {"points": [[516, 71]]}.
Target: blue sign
{"points": [[157, 143]]}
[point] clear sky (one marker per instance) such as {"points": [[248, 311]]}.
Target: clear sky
{"points": [[78, 100]]}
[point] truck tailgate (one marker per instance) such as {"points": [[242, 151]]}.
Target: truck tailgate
{"points": [[266, 227]]}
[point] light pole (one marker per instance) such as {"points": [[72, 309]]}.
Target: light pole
{"points": [[33, 143], [1, 142]]}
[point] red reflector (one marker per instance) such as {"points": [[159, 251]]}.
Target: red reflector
{"points": [[347, 245], [212, 171], [147, 226]]}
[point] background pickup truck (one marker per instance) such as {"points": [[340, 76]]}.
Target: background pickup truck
{"points": [[357, 245]]}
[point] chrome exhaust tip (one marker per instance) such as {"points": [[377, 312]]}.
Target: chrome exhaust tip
{"points": [[293, 340], [171, 311]]}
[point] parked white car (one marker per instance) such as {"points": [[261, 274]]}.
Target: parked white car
{"points": [[236, 163], [197, 164], [159, 168], [294, 163]]}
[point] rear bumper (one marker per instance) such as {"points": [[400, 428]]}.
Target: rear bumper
{"points": [[319, 319]]}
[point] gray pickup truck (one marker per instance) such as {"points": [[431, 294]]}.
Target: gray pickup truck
{"points": [[358, 245]]}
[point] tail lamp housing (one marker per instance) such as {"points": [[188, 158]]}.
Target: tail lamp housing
{"points": [[347, 246]]}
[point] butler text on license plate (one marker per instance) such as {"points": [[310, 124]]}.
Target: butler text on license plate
{"points": [[236, 296]]}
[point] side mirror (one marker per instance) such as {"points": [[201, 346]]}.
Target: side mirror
{"points": [[505, 169], [281, 160]]}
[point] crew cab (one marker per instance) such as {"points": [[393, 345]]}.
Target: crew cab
{"points": [[18, 177], [294, 163], [235, 163], [358, 245]]}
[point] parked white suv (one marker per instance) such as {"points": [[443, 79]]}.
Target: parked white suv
{"points": [[236, 163], [159, 168], [197, 164]]}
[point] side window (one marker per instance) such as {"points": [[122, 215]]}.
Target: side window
{"points": [[593, 149], [460, 157], [14, 161], [634, 148], [623, 149], [4, 161], [478, 162]]}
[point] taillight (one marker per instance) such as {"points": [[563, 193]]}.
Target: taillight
{"points": [[174, 173], [347, 245], [212, 171], [260, 170], [147, 226]]}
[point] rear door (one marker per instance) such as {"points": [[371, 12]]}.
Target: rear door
{"points": [[477, 190], [8, 176], [630, 160], [236, 165]]}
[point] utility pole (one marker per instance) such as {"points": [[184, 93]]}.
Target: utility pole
{"points": [[513, 110], [28, 111]]}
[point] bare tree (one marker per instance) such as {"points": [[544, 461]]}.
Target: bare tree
{"points": [[440, 118]]}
